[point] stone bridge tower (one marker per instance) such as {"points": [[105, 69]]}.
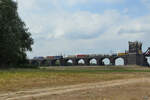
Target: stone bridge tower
{"points": [[135, 55]]}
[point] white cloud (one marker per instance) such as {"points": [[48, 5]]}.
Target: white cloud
{"points": [[146, 2], [29, 4], [86, 25], [86, 30], [74, 2], [80, 31]]}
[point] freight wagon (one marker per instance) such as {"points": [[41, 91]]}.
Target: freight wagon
{"points": [[50, 57], [38, 58], [54, 57], [71, 56], [58, 57], [82, 56], [122, 54]]}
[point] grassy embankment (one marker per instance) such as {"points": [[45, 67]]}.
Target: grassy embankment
{"points": [[23, 79]]}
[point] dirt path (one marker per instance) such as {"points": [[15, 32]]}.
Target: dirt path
{"points": [[26, 95]]}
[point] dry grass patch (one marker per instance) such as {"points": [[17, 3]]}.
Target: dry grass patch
{"points": [[23, 79]]}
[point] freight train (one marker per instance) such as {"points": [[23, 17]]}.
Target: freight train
{"points": [[73, 56], [48, 57], [61, 57]]}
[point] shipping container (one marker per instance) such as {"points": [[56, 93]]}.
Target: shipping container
{"points": [[38, 58], [58, 57], [50, 57], [122, 54], [71, 56], [82, 56]]}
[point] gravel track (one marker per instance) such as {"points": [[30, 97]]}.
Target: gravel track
{"points": [[38, 93]]}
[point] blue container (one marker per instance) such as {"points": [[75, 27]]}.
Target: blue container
{"points": [[41, 58], [58, 57], [38, 58]]}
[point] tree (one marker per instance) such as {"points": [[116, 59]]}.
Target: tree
{"points": [[15, 40]]}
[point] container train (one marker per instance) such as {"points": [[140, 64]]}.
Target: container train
{"points": [[48, 57], [60, 57], [73, 56]]}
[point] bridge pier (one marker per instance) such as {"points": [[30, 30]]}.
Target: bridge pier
{"points": [[75, 62], [99, 62], [53, 62], [62, 62], [49, 63], [136, 59], [87, 62], [112, 61]]}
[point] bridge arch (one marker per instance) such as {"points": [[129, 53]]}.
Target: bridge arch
{"points": [[93, 61], [69, 62], [55, 62], [148, 60], [119, 61], [81, 62], [106, 61]]}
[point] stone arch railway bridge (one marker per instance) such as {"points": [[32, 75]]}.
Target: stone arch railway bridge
{"points": [[134, 56]]}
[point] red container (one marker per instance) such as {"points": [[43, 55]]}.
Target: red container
{"points": [[50, 57], [82, 56]]}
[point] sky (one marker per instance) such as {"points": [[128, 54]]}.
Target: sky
{"points": [[71, 27]]}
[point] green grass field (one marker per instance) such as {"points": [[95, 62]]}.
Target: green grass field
{"points": [[24, 79]]}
